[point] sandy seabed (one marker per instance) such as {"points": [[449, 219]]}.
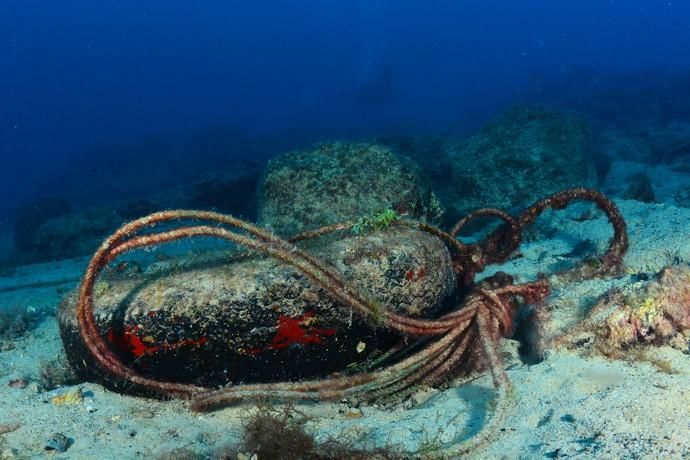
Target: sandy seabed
{"points": [[569, 405]]}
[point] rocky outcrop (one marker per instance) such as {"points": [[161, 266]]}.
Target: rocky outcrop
{"points": [[340, 181], [525, 154]]}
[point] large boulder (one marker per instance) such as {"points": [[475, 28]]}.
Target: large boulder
{"points": [[525, 154], [212, 321], [340, 181]]}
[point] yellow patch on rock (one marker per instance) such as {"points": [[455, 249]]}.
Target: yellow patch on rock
{"points": [[68, 398]]}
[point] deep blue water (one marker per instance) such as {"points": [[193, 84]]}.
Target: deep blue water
{"points": [[93, 90], [105, 103]]}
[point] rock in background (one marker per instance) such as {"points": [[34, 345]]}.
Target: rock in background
{"points": [[340, 181], [49, 230], [525, 154], [648, 157]]}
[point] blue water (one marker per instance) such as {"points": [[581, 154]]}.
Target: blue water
{"points": [[90, 91], [113, 109]]}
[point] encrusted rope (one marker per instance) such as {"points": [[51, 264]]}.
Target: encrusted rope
{"points": [[461, 341]]}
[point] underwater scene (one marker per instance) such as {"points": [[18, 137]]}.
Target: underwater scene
{"points": [[364, 229]]}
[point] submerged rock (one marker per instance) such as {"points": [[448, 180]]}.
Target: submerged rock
{"points": [[212, 321], [74, 235], [340, 181], [653, 312], [525, 154], [30, 217], [63, 234], [58, 442]]}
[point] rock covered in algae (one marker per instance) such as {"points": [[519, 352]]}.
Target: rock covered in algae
{"points": [[527, 153], [213, 322], [654, 312], [335, 182]]}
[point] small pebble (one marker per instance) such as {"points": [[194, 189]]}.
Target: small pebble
{"points": [[242, 456], [58, 442], [68, 398], [19, 383], [568, 418], [353, 413], [143, 413]]}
